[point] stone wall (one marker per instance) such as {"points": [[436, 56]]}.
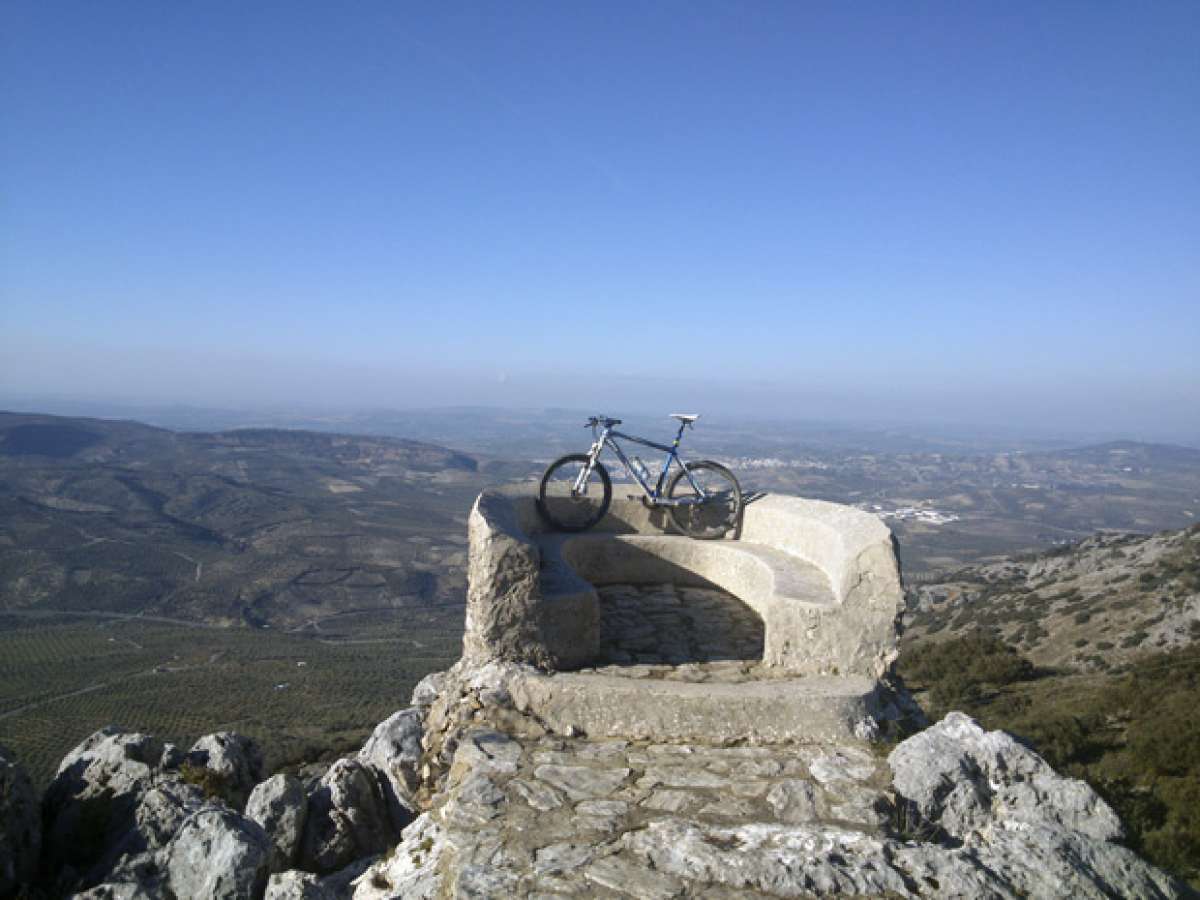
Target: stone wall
{"points": [[822, 576]]}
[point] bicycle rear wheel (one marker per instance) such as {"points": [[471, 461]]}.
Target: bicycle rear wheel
{"points": [[711, 517], [567, 509]]}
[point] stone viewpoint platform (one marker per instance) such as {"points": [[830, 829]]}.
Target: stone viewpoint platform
{"points": [[635, 715], [639, 714], [813, 588]]}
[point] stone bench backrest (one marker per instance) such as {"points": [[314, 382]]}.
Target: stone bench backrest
{"points": [[853, 634]]}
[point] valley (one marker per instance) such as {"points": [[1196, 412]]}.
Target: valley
{"points": [[295, 585]]}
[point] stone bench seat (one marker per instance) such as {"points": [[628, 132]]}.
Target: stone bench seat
{"points": [[821, 576], [763, 577]]}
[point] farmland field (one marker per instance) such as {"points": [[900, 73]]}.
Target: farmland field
{"points": [[303, 697]]}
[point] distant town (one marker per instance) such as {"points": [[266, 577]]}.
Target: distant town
{"points": [[926, 514]]}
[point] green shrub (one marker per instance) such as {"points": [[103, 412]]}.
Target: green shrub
{"points": [[963, 668], [1133, 735], [214, 784]]}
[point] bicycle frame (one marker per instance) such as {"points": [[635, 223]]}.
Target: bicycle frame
{"points": [[607, 438]]}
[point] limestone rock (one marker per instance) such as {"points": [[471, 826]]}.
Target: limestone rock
{"points": [[20, 825], [964, 778], [119, 891], [787, 861], [295, 885], [394, 750], [172, 757], [581, 782], [412, 871], [234, 759], [1040, 861], [280, 807], [794, 801], [218, 854], [108, 761], [347, 818], [160, 811], [427, 689], [90, 805], [113, 839]]}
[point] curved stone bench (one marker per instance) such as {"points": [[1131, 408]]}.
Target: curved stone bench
{"points": [[823, 577]]}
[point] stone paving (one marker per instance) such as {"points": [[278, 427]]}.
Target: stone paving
{"points": [[678, 633], [555, 817]]}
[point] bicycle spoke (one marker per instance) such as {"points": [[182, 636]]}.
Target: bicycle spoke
{"points": [[571, 497], [712, 501]]}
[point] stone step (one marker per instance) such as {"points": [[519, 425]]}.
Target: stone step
{"points": [[802, 710]]}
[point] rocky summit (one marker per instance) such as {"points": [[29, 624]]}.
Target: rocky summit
{"points": [[693, 749]]}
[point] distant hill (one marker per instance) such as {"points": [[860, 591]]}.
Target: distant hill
{"points": [[255, 526], [1092, 605]]}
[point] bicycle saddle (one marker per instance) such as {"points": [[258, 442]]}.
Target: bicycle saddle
{"points": [[685, 417]]}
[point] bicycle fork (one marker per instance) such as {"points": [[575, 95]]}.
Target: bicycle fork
{"points": [[579, 488]]}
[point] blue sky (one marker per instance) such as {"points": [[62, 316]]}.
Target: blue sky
{"points": [[972, 211]]}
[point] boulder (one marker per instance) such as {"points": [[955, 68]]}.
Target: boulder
{"points": [[218, 854], [412, 871], [394, 751], [296, 885], [348, 818], [173, 757], [109, 761], [119, 891], [90, 805], [20, 826], [964, 778], [234, 760], [280, 807], [162, 809], [427, 689], [133, 856]]}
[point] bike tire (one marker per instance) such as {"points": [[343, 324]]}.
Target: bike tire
{"points": [[566, 513], [711, 520]]}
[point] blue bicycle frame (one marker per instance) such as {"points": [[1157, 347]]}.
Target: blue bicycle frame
{"points": [[653, 494]]}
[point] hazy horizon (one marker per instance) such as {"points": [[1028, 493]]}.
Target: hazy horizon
{"points": [[237, 412], [982, 214]]}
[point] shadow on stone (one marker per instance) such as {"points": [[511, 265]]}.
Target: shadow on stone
{"points": [[666, 624]]}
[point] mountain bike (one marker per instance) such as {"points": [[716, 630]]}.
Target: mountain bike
{"points": [[703, 498]]}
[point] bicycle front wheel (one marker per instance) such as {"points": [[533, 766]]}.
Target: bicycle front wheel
{"points": [[708, 515], [566, 508]]}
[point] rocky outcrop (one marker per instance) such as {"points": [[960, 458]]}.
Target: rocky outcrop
{"points": [[217, 854], [20, 826], [348, 818], [585, 817], [280, 807], [394, 751], [90, 807], [297, 885], [966, 779], [234, 761], [122, 821], [128, 818]]}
